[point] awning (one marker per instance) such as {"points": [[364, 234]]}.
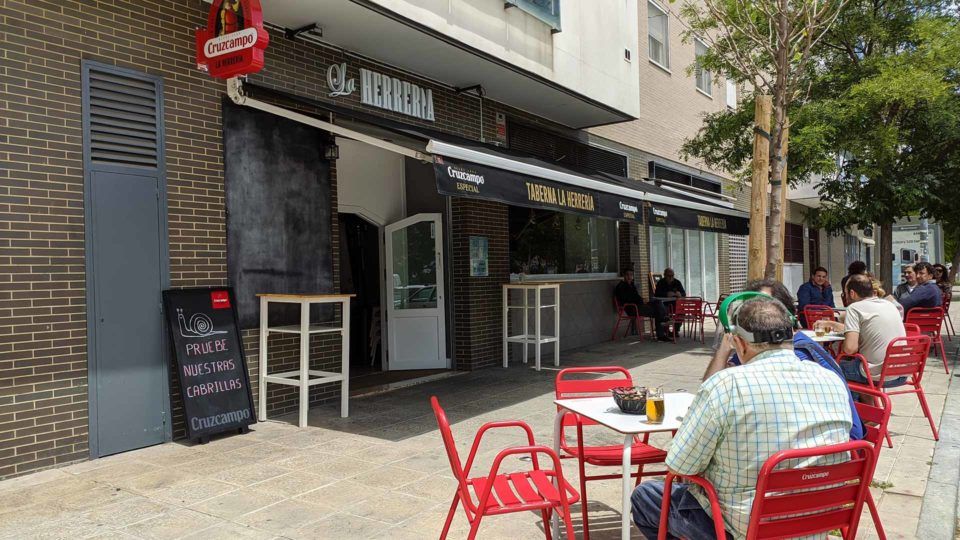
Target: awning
{"points": [[467, 168]]}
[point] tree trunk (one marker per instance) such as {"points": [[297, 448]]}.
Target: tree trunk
{"points": [[778, 158], [757, 259], [886, 256], [784, 187]]}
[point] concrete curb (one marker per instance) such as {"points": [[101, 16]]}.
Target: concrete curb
{"points": [[941, 504]]}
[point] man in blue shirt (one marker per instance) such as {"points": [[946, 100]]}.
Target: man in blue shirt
{"points": [[816, 292], [926, 294], [803, 347]]}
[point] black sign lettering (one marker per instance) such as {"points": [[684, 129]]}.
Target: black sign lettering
{"points": [[208, 357]]}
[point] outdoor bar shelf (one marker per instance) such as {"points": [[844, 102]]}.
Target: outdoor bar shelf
{"points": [[532, 304], [305, 377]]}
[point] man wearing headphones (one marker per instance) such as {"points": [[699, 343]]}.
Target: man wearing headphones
{"points": [[739, 418]]}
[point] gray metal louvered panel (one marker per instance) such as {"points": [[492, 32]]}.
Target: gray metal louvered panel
{"points": [[738, 262], [123, 120]]}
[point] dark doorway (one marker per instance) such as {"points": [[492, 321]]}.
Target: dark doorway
{"points": [[360, 273]]}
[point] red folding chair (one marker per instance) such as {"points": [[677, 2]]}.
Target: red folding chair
{"points": [[906, 357], [602, 456], [930, 322], [875, 420], [688, 313], [946, 316], [624, 315], [710, 308], [523, 491], [793, 502], [813, 313]]}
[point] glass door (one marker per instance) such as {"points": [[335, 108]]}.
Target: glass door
{"points": [[415, 305]]}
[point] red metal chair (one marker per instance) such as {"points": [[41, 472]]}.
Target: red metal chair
{"points": [[624, 315], [930, 322], [906, 357], [688, 312], [946, 316], [875, 420], [515, 492], [603, 456], [710, 308], [802, 501], [813, 313]]}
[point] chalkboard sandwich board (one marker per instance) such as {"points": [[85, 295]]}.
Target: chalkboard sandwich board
{"points": [[208, 353]]}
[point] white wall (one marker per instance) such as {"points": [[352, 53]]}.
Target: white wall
{"points": [[587, 56], [370, 182]]}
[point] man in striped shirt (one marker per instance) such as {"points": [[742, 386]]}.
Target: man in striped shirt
{"points": [[740, 417]]}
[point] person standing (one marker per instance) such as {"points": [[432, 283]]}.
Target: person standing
{"points": [[926, 294], [856, 268], [815, 292], [904, 289], [738, 419], [632, 303], [871, 323]]}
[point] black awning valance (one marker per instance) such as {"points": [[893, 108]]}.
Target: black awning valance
{"points": [[468, 179], [684, 218]]}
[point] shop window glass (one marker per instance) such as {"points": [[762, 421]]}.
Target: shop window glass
{"points": [[658, 249], [711, 283], [657, 35], [678, 257], [414, 267], [547, 242], [694, 284]]}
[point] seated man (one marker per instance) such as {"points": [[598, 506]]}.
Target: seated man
{"points": [[815, 292], [739, 418], [904, 289], [804, 347], [926, 294], [669, 286], [626, 293], [871, 323]]}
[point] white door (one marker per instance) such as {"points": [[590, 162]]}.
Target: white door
{"points": [[415, 314]]}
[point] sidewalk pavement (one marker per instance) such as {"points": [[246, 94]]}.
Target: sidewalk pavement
{"points": [[382, 473]]}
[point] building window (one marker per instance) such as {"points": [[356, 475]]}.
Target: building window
{"points": [[557, 149], [548, 242], [703, 76], [814, 243], [657, 36], [793, 243], [731, 93], [547, 11], [693, 255]]}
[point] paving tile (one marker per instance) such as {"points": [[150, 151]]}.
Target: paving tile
{"points": [[192, 492], [293, 484], [339, 527], [438, 487], [228, 530], [127, 512], [153, 481], [341, 495], [246, 475], [286, 516], [116, 471], [388, 477], [174, 524], [236, 503], [392, 507]]}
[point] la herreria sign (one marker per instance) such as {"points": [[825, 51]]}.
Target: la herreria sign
{"points": [[234, 40], [382, 91]]}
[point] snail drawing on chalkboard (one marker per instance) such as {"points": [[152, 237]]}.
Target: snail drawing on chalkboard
{"points": [[199, 325]]}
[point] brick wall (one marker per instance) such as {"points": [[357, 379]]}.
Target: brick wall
{"points": [[478, 318], [43, 369]]}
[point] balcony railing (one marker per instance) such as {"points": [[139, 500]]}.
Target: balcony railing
{"points": [[547, 11]]}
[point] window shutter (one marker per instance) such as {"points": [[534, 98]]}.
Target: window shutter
{"points": [[123, 120]]}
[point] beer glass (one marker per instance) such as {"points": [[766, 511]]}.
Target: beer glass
{"points": [[655, 406]]}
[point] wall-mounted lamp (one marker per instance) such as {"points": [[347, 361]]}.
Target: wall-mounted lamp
{"points": [[331, 152]]}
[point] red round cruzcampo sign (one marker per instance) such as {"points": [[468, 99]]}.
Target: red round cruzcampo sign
{"points": [[234, 40]]}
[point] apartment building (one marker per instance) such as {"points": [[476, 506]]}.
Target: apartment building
{"points": [[673, 101], [417, 155]]}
